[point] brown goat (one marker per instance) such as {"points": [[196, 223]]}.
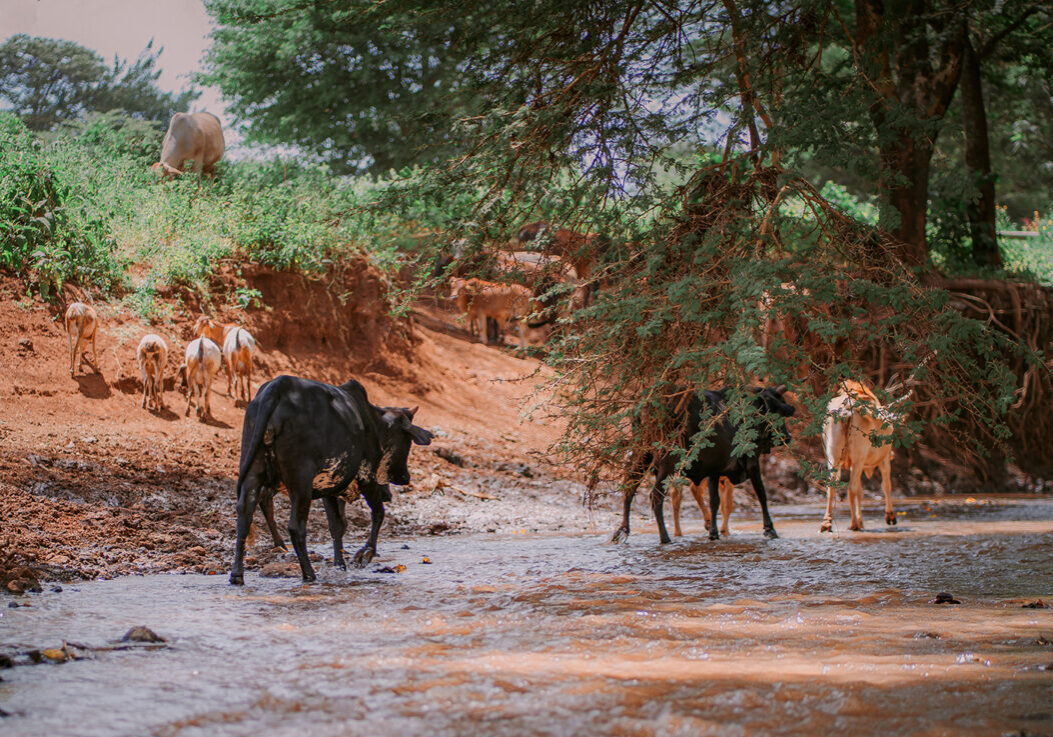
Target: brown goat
{"points": [[202, 361], [238, 348], [153, 355], [482, 299], [81, 323], [211, 329]]}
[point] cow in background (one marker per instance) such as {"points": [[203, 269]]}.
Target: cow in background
{"points": [[197, 136]]}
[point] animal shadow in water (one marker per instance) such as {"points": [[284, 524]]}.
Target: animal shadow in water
{"points": [[93, 386]]}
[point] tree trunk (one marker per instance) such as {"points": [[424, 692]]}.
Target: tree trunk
{"points": [[904, 182], [978, 161]]}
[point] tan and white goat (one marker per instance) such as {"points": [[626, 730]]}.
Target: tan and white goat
{"points": [[238, 347], [202, 361], [81, 323], [153, 355], [213, 330], [480, 299]]}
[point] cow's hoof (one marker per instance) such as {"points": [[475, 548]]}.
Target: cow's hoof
{"points": [[890, 518], [309, 577], [770, 533], [827, 526], [237, 579], [340, 564], [714, 535], [855, 528], [664, 539], [363, 557], [620, 535]]}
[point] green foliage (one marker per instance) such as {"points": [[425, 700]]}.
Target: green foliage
{"points": [[47, 82], [50, 231]]}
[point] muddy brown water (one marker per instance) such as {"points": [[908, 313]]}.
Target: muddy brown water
{"points": [[566, 635]]}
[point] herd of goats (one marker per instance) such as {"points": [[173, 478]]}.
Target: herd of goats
{"points": [[856, 433]]}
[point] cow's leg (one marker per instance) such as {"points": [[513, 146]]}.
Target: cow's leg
{"points": [[206, 392], [727, 503], [828, 521], [190, 390], [657, 504], [375, 499], [146, 389], [675, 495], [714, 506], [267, 505], [337, 527], [631, 483], [229, 363], [696, 492], [762, 497], [248, 496], [886, 486], [855, 496], [95, 354], [300, 503]]}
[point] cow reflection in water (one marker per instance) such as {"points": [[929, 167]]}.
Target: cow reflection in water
{"points": [[716, 460], [315, 439]]}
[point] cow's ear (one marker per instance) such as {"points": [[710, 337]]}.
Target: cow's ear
{"points": [[419, 435], [413, 411]]}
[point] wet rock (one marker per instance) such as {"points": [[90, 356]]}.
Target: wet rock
{"points": [[405, 547], [438, 528], [6, 661], [4, 713], [450, 456], [927, 636], [1043, 640], [13, 605], [55, 655], [56, 589], [1037, 604], [944, 598], [280, 569], [142, 634], [388, 569]]}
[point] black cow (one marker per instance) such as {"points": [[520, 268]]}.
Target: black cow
{"points": [[316, 439], [716, 460]]}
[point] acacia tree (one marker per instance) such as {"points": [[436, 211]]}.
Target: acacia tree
{"points": [[571, 109]]}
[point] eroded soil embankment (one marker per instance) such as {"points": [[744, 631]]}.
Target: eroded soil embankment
{"points": [[92, 485]]}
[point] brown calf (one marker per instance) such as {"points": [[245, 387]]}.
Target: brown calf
{"points": [[81, 323], [153, 355], [726, 504], [854, 420]]}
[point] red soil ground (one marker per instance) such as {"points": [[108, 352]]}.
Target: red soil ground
{"points": [[93, 485]]}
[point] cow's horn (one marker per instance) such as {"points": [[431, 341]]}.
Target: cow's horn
{"points": [[414, 410]]}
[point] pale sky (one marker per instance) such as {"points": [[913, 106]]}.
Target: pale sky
{"points": [[124, 27]]}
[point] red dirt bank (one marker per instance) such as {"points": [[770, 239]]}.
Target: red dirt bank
{"points": [[92, 485]]}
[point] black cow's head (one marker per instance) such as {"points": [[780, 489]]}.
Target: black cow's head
{"points": [[770, 401], [401, 434]]}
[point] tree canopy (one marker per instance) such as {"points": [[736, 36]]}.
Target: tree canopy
{"points": [[48, 81], [579, 111]]}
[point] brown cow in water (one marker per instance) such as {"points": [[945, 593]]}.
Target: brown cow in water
{"points": [[727, 504], [197, 136]]}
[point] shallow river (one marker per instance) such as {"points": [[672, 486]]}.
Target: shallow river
{"points": [[516, 635]]}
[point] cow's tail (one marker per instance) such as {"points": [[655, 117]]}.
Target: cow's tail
{"points": [[69, 336], [255, 442]]}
